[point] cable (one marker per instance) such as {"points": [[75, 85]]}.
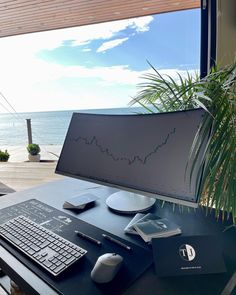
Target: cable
{"points": [[6, 109], [14, 113], [10, 105], [18, 116]]}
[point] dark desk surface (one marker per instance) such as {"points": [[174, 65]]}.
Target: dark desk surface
{"points": [[193, 222]]}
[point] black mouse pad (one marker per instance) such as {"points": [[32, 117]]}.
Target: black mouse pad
{"points": [[77, 277]]}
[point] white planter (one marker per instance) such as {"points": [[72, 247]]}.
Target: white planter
{"points": [[34, 158]]}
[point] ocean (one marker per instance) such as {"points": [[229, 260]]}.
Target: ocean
{"points": [[48, 128]]}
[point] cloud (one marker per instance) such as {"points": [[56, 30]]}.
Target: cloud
{"points": [[108, 30], [78, 36], [21, 67], [86, 49], [33, 84], [111, 44], [141, 24], [40, 86]]}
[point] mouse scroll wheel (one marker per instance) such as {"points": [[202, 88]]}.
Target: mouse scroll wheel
{"points": [[113, 254]]}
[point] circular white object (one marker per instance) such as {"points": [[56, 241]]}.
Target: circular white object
{"points": [[127, 202]]}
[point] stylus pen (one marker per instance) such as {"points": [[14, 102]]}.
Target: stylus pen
{"points": [[109, 238], [86, 237]]}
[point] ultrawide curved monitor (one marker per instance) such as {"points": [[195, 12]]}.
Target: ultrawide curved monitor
{"points": [[146, 154]]}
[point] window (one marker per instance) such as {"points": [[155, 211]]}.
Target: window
{"points": [[95, 66]]}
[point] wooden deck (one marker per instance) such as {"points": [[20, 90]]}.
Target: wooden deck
{"points": [[23, 175]]}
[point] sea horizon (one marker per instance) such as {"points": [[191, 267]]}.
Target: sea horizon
{"points": [[48, 127]]}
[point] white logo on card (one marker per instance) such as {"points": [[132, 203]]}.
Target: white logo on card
{"points": [[187, 252]]}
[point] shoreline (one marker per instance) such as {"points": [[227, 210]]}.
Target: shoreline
{"points": [[19, 153]]}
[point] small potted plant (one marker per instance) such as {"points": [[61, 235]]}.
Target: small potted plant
{"points": [[34, 151], [4, 156]]}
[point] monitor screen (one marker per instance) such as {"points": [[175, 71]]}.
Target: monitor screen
{"points": [[143, 153]]}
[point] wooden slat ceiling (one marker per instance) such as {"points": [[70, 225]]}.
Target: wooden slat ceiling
{"points": [[27, 16]]}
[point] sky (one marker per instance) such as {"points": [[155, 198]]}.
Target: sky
{"points": [[95, 66]]}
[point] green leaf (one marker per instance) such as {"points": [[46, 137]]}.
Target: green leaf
{"points": [[215, 93]]}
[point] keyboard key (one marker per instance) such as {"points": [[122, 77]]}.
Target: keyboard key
{"points": [[59, 268], [44, 244], [58, 263], [47, 263], [69, 261], [52, 267], [13, 239], [35, 247], [77, 255], [50, 239], [31, 251]]}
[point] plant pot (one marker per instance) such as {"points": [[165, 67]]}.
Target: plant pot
{"points": [[34, 158]]}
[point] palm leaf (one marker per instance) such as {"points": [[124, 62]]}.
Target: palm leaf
{"points": [[215, 93]]}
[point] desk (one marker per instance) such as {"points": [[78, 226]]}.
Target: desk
{"points": [[192, 223]]}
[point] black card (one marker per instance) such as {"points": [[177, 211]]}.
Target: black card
{"points": [[177, 256]]}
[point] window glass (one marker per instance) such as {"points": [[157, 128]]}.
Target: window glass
{"points": [[89, 67]]}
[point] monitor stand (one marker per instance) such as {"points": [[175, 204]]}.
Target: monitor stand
{"points": [[128, 203]]}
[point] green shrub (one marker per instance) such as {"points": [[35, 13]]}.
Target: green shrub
{"points": [[33, 149], [4, 156]]}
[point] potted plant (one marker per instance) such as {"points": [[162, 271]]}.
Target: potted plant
{"points": [[34, 151], [216, 93], [4, 156]]}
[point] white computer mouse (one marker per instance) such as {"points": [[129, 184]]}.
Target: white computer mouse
{"points": [[106, 267]]}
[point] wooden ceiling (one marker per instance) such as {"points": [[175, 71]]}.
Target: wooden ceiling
{"points": [[27, 16]]}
